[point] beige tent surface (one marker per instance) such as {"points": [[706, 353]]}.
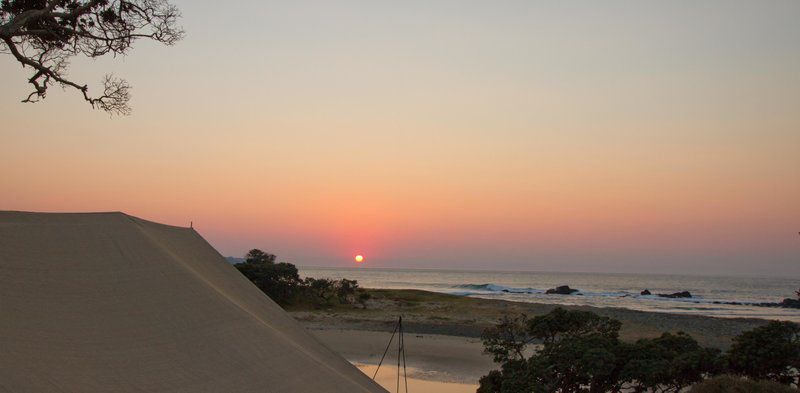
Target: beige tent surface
{"points": [[106, 302]]}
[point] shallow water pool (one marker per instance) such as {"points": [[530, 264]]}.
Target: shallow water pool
{"points": [[387, 377]]}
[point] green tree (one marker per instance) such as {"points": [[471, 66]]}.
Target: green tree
{"points": [[669, 363], [491, 383], [581, 352], [323, 290], [561, 323], [506, 341], [346, 290], [280, 281], [363, 297], [770, 352], [256, 256]]}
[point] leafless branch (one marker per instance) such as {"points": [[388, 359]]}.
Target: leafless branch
{"points": [[44, 34]]}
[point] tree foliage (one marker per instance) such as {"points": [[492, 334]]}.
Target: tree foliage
{"points": [[346, 290], [506, 341], [279, 281], [770, 352], [44, 35], [579, 351], [322, 290], [560, 324], [669, 363], [325, 290], [729, 384], [256, 256]]}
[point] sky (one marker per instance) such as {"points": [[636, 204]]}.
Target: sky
{"points": [[595, 136]]}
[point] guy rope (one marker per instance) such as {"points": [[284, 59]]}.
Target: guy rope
{"points": [[401, 353]]}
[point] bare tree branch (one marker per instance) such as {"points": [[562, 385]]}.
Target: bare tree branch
{"points": [[44, 34]]}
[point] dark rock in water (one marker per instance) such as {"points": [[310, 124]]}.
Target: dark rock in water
{"points": [[645, 292], [676, 295], [506, 291], [561, 290], [790, 303]]}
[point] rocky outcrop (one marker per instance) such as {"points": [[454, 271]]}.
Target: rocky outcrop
{"points": [[790, 303], [645, 292], [676, 295], [561, 290]]}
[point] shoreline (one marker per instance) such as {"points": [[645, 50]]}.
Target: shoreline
{"points": [[769, 299], [427, 312], [443, 331]]}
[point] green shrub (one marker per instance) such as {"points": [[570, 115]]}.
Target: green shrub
{"points": [[280, 281], [580, 352], [769, 352], [322, 290]]}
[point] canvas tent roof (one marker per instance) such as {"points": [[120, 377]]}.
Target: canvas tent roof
{"points": [[106, 302]]}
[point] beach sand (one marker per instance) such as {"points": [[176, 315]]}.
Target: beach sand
{"points": [[432, 357], [443, 331]]}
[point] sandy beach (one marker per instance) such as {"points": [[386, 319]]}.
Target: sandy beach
{"points": [[433, 356], [443, 331]]}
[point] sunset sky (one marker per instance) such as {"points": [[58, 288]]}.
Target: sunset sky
{"points": [[515, 135]]}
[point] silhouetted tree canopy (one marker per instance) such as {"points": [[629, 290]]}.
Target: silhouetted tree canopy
{"points": [[506, 341], [282, 283], [322, 289], [257, 256], [278, 280], [729, 384], [669, 363], [581, 352], [770, 352], [44, 34]]}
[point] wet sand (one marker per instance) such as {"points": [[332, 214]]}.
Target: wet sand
{"points": [[388, 378], [432, 357]]}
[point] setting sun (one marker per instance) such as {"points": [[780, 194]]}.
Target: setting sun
{"points": [[359, 258]]}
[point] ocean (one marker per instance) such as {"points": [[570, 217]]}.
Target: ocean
{"points": [[709, 293]]}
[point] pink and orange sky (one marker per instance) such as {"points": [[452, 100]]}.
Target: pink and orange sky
{"points": [[514, 135]]}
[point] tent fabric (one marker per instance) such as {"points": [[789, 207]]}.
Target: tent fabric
{"points": [[106, 302]]}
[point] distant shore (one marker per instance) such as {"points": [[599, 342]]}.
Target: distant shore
{"points": [[443, 331]]}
